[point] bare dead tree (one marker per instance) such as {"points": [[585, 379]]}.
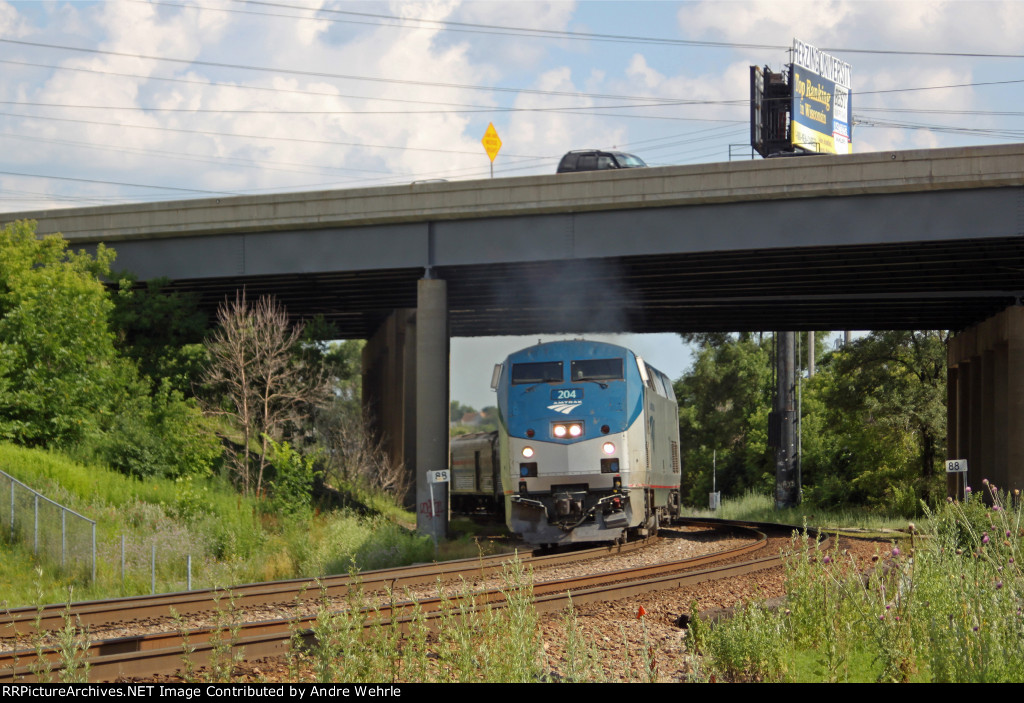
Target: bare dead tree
{"points": [[262, 382], [353, 454]]}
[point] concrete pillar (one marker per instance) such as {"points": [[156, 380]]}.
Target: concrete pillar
{"points": [[954, 484], [1000, 416], [976, 469], [963, 414], [389, 391], [432, 355], [1015, 407], [986, 400]]}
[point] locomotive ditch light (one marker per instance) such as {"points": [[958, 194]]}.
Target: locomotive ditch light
{"points": [[528, 452], [608, 448]]}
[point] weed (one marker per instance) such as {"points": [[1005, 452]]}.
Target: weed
{"points": [[73, 646]]}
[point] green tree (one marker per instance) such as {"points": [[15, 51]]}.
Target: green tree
{"points": [[58, 365], [883, 402], [723, 416], [162, 330]]}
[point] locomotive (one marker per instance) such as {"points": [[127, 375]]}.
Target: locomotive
{"points": [[588, 443]]}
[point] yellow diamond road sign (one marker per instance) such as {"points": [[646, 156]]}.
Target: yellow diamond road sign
{"points": [[491, 141]]}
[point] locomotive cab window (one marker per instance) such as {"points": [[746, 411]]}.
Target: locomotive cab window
{"points": [[538, 372], [597, 370]]}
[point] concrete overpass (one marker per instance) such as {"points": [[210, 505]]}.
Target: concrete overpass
{"points": [[901, 240], [913, 239]]}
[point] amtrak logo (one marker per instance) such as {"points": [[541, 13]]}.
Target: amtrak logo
{"points": [[565, 407]]}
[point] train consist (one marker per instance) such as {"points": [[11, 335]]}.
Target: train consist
{"points": [[588, 445], [475, 487]]}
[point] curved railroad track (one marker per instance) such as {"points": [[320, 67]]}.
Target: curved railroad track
{"points": [[160, 649]]}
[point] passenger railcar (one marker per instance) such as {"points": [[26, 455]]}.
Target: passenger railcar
{"points": [[475, 487], [589, 443]]}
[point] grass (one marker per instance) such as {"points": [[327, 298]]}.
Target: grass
{"points": [[231, 539], [943, 609], [758, 507]]}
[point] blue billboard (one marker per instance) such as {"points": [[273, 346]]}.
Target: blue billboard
{"points": [[820, 115]]}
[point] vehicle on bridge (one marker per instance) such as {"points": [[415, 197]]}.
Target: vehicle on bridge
{"points": [[588, 441], [597, 160]]}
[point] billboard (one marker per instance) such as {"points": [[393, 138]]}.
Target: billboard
{"points": [[821, 115]]}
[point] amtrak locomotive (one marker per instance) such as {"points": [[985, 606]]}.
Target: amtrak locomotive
{"points": [[588, 443]]}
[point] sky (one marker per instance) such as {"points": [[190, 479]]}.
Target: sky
{"points": [[137, 101]]}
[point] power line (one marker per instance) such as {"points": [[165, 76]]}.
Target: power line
{"points": [[336, 76]]}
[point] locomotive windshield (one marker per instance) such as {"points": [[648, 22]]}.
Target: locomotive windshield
{"points": [[538, 372], [597, 370]]}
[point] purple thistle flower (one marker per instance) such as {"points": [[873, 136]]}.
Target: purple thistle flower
{"points": [[984, 540], [999, 584], [895, 551], [967, 490], [984, 481], [827, 560]]}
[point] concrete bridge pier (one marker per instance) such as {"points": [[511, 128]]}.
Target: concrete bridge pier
{"points": [[405, 394], [985, 403], [432, 364]]}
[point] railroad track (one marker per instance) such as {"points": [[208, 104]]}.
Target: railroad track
{"points": [[146, 655]]}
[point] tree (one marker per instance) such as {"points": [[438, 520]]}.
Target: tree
{"points": [[723, 415], [161, 330], [58, 365], [262, 383], [883, 400]]}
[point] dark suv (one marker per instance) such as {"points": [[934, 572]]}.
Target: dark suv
{"points": [[596, 160]]}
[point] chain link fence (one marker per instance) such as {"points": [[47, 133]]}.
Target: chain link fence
{"points": [[54, 533]]}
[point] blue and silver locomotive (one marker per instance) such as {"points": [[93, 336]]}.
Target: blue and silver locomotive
{"points": [[589, 443]]}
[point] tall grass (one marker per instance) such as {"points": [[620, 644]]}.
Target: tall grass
{"points": [[758, 507], [231, 539], [949, 608]]}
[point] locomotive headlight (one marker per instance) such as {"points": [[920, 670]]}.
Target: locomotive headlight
{"points": [[528, 452], [608, 448], [562, 430]]}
